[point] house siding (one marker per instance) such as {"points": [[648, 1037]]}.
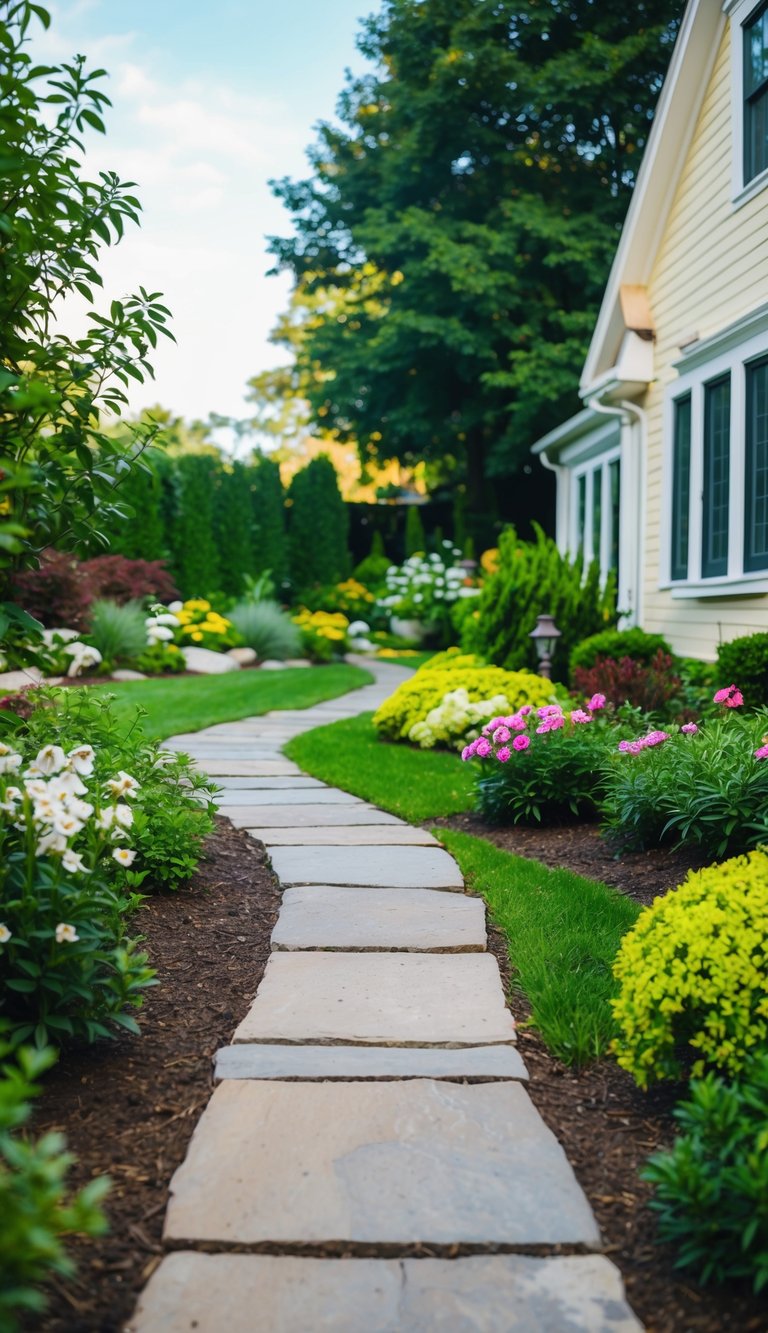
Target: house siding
{"points": [[711, 269]]}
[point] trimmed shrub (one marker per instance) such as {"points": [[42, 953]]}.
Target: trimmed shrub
{"points": [[618, 643], [233, 519], [61, 591], [533, 579], [318, 526], [694, 976], [195, 553], [711, 1187], [269, 535], [143, 534], [746, 660], [266, 628], [415, 538], [415, 699], [372, 570], [119, 632], [651, 687]]}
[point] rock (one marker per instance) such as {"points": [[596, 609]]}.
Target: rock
{"points": [[411, 919], [297, 662], [260, 1060], [13, 681], [373, 834], [386, 867], [249, 768], [243, 656], [208, 663], [123, 673], [65, 635], [272, 664], [297, 815]]}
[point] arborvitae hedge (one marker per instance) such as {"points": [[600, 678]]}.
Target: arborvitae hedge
{"points": [[141, 536], [233, 521], [269, 537], [318, 526], [415, 538], [195, 560]]}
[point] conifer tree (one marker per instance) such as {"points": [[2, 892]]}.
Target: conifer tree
{"points": [[233, 524], [415, 539], [268, 528], [195, 553], [319, 526]]}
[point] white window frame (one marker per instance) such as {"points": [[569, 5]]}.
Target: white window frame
{"points": [[602, 463], [738, 12], [729, 352]]}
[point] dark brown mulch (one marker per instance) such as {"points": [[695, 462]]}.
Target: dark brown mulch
{"points": [[580, 847], [129, 1107]]}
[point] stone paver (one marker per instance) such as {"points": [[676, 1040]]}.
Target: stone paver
{"points": [[391, 867], [387, 1163], [303, 814], [345, 836], [502, 1293], [351, 918], [272, 788], [260, 1060], [293, 796], [250, 768], [388, 999]]}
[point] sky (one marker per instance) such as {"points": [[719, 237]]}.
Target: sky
{"points": [[210, 101]]}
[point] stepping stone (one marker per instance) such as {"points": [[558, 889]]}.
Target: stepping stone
{"points": [[412, 919], [304, 815], [250, 768], [259, 1293], [389, 867], [379, 835], [376, 1163], [385, 999], [278, 786], [259, 1060], [280, 796]]}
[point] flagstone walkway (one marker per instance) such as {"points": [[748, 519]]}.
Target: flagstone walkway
{"points": [[370, 1161]]}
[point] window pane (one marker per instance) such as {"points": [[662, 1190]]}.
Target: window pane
{"points": [[717, 459], [581, 515], [681, 486], [756, 52], [597, 512], [756, 479], [755, 137], [614, 475], [756, 95]]}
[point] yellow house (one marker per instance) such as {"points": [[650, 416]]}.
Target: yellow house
{"points": [[664, 474]]}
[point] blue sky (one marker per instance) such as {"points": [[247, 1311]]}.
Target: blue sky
{"points": [[210, 102]]}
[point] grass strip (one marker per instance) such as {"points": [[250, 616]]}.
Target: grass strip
{"points": [[414, 784], [190, 703], [563, 933]]}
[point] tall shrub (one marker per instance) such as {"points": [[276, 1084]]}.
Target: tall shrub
{"points": [[533, 579], [195, 553], [140, 534], [269, 537], [233, 520], [415, 539], [319, 526]]}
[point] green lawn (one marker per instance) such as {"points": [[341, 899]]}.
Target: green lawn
{"points": [[563, 932], [415, 784], [189, 703]]}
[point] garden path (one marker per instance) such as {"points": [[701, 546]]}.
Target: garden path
{"points": [[370, 1158]]}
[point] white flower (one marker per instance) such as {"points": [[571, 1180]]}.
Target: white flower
{"points": [[123, 785], [164, 619], [175, 606], [66, 934], [358, 627], [10, 762], [81, 759], [66, 824], [82, 656], [73, 862], [124, 856], [51, 842], [158, 633], [5, 933], [124, 815], [35, 787], [104, 818], [80, 809], [66, 787]]}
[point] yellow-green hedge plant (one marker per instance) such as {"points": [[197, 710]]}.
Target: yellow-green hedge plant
{"points": [[414, 700]]}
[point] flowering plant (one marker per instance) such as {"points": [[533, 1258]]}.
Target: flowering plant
{"points": [[406, 714], [323, 633], [351, 597], [426, 586], [199, 625]]}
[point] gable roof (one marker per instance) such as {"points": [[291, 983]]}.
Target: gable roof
{"points": [[674, 122]]}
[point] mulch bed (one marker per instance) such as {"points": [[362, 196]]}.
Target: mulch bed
{"points": [[129, 1108]]}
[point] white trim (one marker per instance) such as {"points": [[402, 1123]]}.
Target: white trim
{"points": [[739, 12], [732, 337], [588, 468]]}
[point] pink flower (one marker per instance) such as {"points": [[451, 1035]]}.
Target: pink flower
{"points": [[625, 747], [730, 697], [549, 710], [504, 753], [516, 721], [762, 753], [689, 729], [467, 752], [578, 715], [552, 723], [500, 735], [525, 710], [596, 702], [656, 738], [522, 742], [482, 748]]}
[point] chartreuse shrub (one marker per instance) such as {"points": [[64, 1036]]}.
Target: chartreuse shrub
{"points": [[746, 660], [618, 643], [532, 579], [694, 976], [417, 697], [711, 1187], [36, 1215]]}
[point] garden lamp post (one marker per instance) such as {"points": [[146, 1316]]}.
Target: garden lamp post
{"points": [[545, 636]]}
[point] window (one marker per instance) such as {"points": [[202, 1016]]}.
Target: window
{"points": [[717, 449], [596, 517], [681, 485], [756, 467], [755, 91]]}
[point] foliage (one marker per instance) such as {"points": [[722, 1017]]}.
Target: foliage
{"points": [[540, 766], [416, 697], [415, 539], [266, 628], [534, 579], [694, 975], [617, 643], [195, 553], [319, 526], [160, 659], [119, 632], [36, 1216], [61, 591], [203, 627], [413, 784], [746, 660], [350, 597], [268, 531], [653, 687], [61, 469], [711, 1187], [702, 787], [323, 633], [453, 241], [426, 587], [232, 517], [562, 932], [142, 532]]}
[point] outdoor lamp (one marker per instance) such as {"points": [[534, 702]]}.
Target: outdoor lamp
{"points": [[545, 636]]}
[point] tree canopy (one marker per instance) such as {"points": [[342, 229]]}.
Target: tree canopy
{"points": [[452, 242]]}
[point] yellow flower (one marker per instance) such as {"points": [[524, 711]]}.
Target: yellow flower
{"points": [[197, 604], [197, 636]]}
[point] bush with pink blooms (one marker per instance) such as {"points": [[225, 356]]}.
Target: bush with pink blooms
{"points": [[543, 765], [703, 786]]}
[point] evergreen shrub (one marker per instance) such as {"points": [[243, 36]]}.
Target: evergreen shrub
{"points": [[746, 660], [618, 643], [269, 537], [233, 518], [195, 552], [318, 526], [426, 689], [415, 537]]}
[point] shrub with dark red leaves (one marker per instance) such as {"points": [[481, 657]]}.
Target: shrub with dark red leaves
{"points": [[651, 686], [61, 591]]}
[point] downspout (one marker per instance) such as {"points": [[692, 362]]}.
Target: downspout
{"points": [[561, 511], [626, 411]]}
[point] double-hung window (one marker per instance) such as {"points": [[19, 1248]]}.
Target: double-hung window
{"points": [[755, 92], [595, 519]]}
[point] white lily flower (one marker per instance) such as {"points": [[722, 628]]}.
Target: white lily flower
{"points": [[164, 620], [51, 842], [10, 762], [73, 862], [66, 824], [124, 815], [81, 759], [5, 933], [51, 759], [123, 785], [105, 818], [66, 786], [157, 633], [124, 856], [175, 606], [66, 934]]}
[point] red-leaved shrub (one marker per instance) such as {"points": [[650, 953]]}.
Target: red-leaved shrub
{"points": [[61, 591], [650, 686]]}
